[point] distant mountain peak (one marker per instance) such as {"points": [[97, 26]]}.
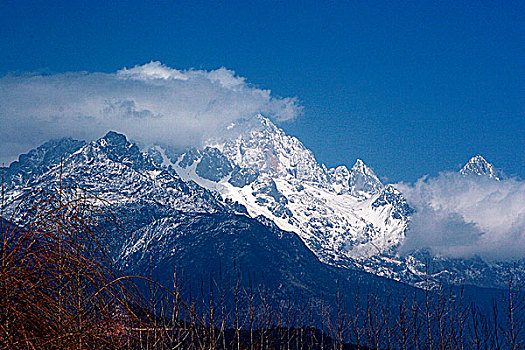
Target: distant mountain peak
{"points": [[39, 160], [264, 120], [259, 145], [479, 166], [118, 148], [114, 138], [243, 128], [363, 179], [478, 159], [360, 167], [359, 163]]}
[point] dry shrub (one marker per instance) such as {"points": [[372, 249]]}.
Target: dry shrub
{"points": [[58, 289]]}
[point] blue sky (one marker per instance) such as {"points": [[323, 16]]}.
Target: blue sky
{"points": [[412, 88]]}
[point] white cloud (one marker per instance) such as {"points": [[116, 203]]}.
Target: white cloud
{"points": [[151, 103], [462, 216], [151, 71]]}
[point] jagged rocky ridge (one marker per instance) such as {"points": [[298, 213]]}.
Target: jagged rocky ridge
{"points": [[165, 222], [346, 217], [341, 214]]}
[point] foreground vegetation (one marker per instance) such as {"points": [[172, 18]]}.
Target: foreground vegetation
{"points": [[60, 290]]}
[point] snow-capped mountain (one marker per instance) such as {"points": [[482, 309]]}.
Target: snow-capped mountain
{"points": [[347, 217], [164, 222], [39, 160], [111, 167], [477, 165], [340, 214], [258, 173]]}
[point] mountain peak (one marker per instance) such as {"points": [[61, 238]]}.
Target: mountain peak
{"points": [[478, 159], [118, 148], [116, 143], [479, 166], [266, 124], [258, 144], [363, 180], [39, 160], [115, 138], [359, 164]]}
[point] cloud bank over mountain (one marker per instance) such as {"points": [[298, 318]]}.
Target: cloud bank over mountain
{"points": [[463, 216], [151, 103]]}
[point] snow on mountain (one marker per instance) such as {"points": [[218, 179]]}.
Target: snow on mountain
{"points": [[360, 181], [115, 169], [166, 223], [39, 160], [477, 165], [223, 246], [346, 217], [340, 214]]}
